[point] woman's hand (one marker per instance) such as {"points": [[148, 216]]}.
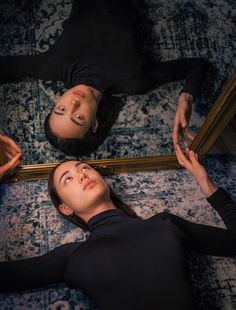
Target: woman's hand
{"points": [[12, 152], [191, 163], [182, 119]]}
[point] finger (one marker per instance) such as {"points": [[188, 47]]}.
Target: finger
{"points": [[176, 132], [3, 138], [187, 152], [14, 145], [8, 155], [18, 163], [183, 120], [189, 133], [182, 157], [192, 157], [9, 149], [185, 143], [11, 143], [181, 134], [179, 160], [175, 137], [11, 164]]}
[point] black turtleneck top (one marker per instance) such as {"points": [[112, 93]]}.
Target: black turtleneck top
{"points": [[129, 263], [98, 47]]}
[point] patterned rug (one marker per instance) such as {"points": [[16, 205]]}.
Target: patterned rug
{"points": [[169, 30], [30, 226]]}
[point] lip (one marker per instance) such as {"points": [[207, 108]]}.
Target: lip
{"points": [[79, 93], [89, 184]]}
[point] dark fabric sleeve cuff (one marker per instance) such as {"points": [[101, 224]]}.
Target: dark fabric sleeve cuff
{"points": [[189, 90], [218, 198]]}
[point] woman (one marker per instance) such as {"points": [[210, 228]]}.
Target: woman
{"points": [[97, 55], [108, 266]]}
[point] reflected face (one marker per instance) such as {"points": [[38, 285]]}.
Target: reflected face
{"points": [[75, 113], [80, 187]]}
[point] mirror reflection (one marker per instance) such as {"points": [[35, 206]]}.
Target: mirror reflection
{"points": [[117, 79]]}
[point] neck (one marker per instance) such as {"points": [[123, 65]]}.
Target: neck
{"points": [[104, 206]]}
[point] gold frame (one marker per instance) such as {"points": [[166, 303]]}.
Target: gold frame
{"points": [[219, 116]]}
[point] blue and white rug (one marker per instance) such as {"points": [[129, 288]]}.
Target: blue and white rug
{"points": [[30, 226], [171, 29]]}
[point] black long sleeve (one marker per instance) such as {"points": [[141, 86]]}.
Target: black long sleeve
{"points": [[42, 66], [207, 239], [35, 272], [193, 70], [225, 206]]}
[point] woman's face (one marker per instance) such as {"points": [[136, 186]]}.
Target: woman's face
{"points": [[80, 188], [75, 113]]}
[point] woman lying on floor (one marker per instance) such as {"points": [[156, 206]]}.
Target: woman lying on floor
{"points": [[96, 56], [127, 263]]}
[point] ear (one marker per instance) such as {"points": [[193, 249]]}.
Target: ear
{"points": [[64, 209], [95, 125]]}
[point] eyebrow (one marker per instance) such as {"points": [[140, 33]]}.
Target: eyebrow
{"points": [[65, 172], [58, 113], [77, 123]]}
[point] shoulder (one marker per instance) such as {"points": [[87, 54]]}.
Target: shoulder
{"points": [[64, 250], [162, 216]]}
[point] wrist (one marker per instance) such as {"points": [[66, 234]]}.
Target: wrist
{"points": [[187, 97], [208, 187]]}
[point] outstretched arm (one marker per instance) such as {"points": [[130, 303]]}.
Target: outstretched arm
{"points": [[207, 239], [42, 66], [35, 272], [193, 70], [152, 75]]}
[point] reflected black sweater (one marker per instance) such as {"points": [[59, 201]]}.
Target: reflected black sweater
{"points": [[98, 47], [129, 263]]}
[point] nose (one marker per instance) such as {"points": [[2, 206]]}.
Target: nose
{"points": [[82, 176], [74, 105]]}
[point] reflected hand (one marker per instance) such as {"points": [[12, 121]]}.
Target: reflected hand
{"points": [[182, 119], [189, 160], [12, 152]]}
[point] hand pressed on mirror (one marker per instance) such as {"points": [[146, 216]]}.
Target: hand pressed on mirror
{"points": [[111, 63], [190, 161], [182, 119], [12, 152]]}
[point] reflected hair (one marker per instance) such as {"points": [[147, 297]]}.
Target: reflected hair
{"points": [[56, 200], [108, 111]]}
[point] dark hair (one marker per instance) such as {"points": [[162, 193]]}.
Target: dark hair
{"points": [[56, 200], [108, 111]]}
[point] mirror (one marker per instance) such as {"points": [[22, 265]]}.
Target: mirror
{"points": [[145, 122], [222, 112]]}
